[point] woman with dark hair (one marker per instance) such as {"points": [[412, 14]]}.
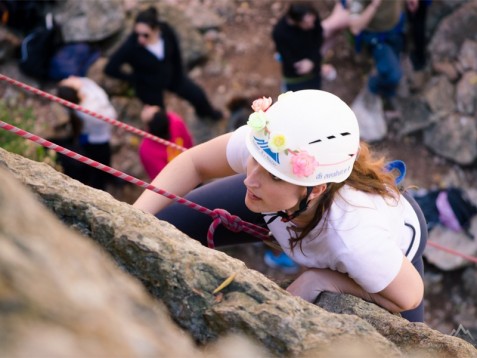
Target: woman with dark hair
{"points": [[170, 126], [92, 134], [298, 37], [153, 53]]}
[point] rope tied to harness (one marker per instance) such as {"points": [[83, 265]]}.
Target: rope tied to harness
{"points": [[221, 216]]}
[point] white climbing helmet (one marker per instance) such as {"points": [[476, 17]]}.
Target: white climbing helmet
{"points": [[307, 137]]}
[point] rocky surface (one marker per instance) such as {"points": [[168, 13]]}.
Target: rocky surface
{"points": [[234, 37], [54, 276]]}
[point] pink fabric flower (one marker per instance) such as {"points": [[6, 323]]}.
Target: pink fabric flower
{"points": [[303, 164], [261, 104]]}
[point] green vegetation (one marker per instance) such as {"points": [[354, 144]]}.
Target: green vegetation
{"points": [[23, 118]]}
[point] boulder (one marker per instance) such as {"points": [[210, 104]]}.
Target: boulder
{"points": [[61, 295], [183, 274], [89, 21]]}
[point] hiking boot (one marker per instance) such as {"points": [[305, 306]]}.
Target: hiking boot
{"points": [[390, 104], [391, 108]]}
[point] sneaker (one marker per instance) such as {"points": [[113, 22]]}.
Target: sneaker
{"points": [[391, 108], [281, 262]]}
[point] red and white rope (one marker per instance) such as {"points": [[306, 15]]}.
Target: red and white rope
{"points": [[77, 107], [452, 252], [220, 216]]}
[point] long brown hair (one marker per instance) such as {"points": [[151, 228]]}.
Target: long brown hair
{"points": [[368, 175]]}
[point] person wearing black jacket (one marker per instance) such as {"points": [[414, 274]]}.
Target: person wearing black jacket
{"points": [[153, 52], [298, 37]]}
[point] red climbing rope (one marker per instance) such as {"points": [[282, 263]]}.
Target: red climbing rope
{"points": [[91, 113], [451, 251], [220, 216]]}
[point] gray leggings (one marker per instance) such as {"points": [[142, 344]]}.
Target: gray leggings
{"points": [[229, 194]]}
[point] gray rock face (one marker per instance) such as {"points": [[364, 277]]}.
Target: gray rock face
{"points": [[89, 20], [451, 93], [175, 269], [453, 137], [452, 32], [414, 339], [60, 295]]}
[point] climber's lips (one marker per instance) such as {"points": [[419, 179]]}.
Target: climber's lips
{"points": [[252, 196]]}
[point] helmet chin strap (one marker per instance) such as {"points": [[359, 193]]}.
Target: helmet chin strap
{"points": [[302, 206]]}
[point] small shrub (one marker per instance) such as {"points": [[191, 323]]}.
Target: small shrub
{"points": [[23, 118]]}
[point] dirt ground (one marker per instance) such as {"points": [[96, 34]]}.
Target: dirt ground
{"points": [[241, 63]]}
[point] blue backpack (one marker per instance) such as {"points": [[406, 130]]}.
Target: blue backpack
{"points": [[72, 59], [37, 49]]}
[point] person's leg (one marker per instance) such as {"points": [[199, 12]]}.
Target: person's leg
{"points": [[386, 80], [100, 153], [417, 22], [150, 97], [196, 96], [417, 314], [227, 193]]}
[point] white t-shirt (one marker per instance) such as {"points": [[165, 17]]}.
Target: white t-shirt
{"points": [[96, 100], [364, 235], [157, 48]]}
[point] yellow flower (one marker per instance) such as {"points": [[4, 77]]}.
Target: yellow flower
{"points": [[257, 120], [277, 142]]}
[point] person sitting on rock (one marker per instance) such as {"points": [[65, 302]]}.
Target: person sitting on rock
{"points": [[170, 126], [152, 51], [95, 134], [298, 37], [299, 168]]}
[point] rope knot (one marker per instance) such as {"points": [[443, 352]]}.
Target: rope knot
{"points": [[221, 216], [231, 222]]}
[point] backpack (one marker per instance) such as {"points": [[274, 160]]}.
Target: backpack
{"points": [[72, 59], [463, 209], [449, 207], [37, 48]]}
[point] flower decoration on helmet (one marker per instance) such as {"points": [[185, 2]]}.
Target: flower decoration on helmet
{"points": [[306, 137], [277, 142], [303, 164], [257, 121], [262, 104]]}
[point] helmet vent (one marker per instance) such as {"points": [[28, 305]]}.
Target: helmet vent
{"points": [[315, 141], [344, 134]]}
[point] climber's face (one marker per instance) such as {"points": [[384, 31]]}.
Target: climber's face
{"points": [[267, 193]]}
